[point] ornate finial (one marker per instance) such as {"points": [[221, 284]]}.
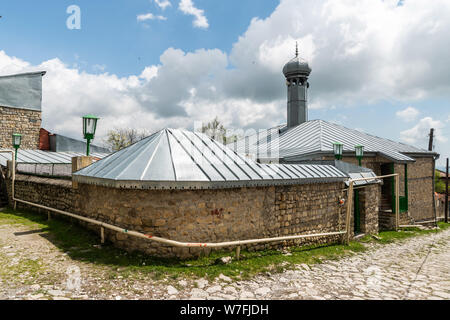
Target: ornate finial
{"points": [[296, 49]]}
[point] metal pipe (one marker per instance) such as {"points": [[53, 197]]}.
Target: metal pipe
{"points": [[375, 178], [178, 243], [410, 226], [195, 244], [446, 194], [434, 190], [427, 221]]}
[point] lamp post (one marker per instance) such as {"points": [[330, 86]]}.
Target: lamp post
{"points": [[89, 127], [359, 153], [16, 141], [338, 149]]}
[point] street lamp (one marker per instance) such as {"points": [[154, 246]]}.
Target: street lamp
{"points": [[16, 141], [337, 149], [89, 127], [359, 153]]}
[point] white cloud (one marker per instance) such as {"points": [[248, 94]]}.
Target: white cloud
{"points": [[149, 16], [68, 94], [419, 134], [359, 51], [409, 114], [187, 7], [99, 67], [163, 4], [149, 73]]}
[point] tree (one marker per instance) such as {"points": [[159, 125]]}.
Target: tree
{"points": [[120, 138], [440, 184], [216, 131]]}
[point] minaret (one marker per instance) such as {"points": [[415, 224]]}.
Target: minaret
{"points": [[296, 72]]}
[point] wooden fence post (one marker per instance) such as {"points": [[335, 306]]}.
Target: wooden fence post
{"points": [[397, 202], [102, 235], [349, 211]]}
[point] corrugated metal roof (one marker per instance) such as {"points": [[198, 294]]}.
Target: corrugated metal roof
{"points": [[318, 136], [368, 176], [44, 157], [180, 159]]}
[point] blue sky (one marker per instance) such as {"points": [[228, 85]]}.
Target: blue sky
{"points": [[111, 36], [377, 66]]}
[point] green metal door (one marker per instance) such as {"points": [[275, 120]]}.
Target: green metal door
{"points": [[357, 224]]}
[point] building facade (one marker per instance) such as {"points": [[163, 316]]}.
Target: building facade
{"points": [[303, 141], [20, 108]]}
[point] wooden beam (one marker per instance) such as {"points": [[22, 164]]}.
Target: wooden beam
{"points": [[397, 202], [349, 211]]}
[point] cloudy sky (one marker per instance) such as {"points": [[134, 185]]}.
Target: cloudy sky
{"points": [[379, 66]]}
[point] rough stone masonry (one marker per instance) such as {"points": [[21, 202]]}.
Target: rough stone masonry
{"points": [[23, 121], [201, 215]]}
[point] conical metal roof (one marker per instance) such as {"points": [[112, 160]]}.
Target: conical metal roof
{"points": [[180, 159], [316, 137]]}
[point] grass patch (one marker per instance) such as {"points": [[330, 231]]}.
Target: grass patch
{"points": [[81, 244], [405, 233], [28, 267]]}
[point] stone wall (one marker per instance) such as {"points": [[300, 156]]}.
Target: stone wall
{"points": [[54, 193], [440, 207], [369, 197], [23, 121], [420, 182], [420, 189], [373, 163], [196, 215]]}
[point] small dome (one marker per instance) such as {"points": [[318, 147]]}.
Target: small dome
{"points": [[296, 67]]}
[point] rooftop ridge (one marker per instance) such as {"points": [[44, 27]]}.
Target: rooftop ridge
{"points": [[373, 136], [42, 73]]}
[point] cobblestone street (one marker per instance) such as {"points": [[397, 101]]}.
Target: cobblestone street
{"points": [[416, 268]]}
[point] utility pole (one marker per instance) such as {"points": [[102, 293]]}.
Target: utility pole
{"points": [[430, 144], [446, 195]]}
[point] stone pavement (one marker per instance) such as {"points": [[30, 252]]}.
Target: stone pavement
{"points": [[416, 268]]}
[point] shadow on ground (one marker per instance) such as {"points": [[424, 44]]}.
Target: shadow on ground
{"points": [[81, 244]]}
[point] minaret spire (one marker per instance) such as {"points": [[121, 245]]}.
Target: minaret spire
{"points": [[297, 72]]}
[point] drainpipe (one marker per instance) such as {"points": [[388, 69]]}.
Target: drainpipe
{"points": [[430, 148], [434, 188]]}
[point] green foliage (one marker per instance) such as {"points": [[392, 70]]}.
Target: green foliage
{"points": [[404, 233], [121, 138], [440, 184], [216, 131]]}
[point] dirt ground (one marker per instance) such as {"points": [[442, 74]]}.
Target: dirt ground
{"points": [[32, 267]]}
